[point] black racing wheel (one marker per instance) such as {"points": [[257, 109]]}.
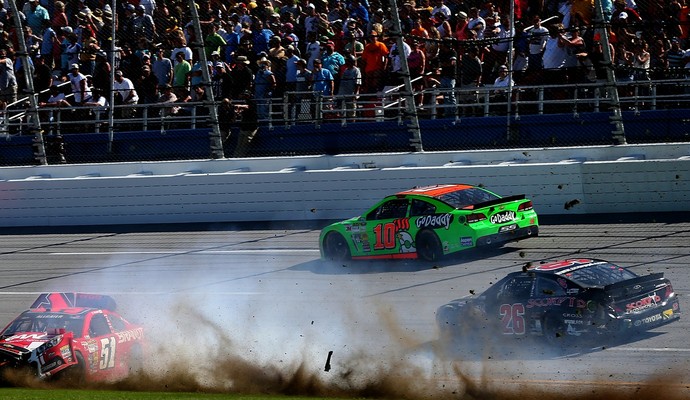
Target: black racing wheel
{"points": [[428, 246], [335, 247]]}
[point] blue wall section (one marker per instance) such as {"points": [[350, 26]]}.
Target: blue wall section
{"points": [[16, 150], [331, 138], [657, 126], [467, 133], [138, 146]]}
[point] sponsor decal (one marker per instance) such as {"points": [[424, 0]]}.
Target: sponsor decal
{"points": [[434, 221], [647, 302], [90, 346], [503, 217], [354, 228], [466, 241], [402, 224], [132, 334], [507, 228], [366, 246], [406, 242], [557, 301], [668, 314], [26, 336], [361, 240], [649, 320], [574, 321]]}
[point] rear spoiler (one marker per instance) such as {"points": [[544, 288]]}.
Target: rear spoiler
{"points": [[495, 201], [60, 301], [635, 281]]}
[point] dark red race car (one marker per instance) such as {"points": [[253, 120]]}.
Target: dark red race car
{"points": [[561, 300], [73, 334]]}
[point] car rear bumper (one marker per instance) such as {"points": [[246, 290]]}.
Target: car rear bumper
{"points": [[509, 236], [651, 319]]}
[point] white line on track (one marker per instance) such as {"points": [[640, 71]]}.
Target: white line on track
{"points": [[194, 251], [655, 349]]}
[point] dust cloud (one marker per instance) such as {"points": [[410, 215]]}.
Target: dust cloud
{"points": [[257, 342], [197, 352]]}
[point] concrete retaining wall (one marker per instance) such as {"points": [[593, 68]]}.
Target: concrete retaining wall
{"points": [[564, 181]]}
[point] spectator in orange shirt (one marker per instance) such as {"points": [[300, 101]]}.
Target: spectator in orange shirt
{"points": [[374, 58], [418, 30]]}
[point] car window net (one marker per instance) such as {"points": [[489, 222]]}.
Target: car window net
{"points": [[390, 210], [421, 208]]}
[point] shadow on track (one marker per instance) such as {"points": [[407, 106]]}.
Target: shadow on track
{"points": [[525, 348], [381, 266]]}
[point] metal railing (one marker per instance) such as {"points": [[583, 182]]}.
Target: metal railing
{"points": [[311, 123], [312, 108]]}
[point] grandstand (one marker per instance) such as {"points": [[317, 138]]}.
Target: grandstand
{"points": [[225, 104]]}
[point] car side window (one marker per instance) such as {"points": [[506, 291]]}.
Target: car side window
{"points": [[547, 287], [117, 323], [420, 207], [518, 288], [391, 209], [98, 326]]}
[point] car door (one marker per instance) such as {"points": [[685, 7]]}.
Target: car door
{"points": [[387, 227], [128, 345], [102, 347], [510, 306]]}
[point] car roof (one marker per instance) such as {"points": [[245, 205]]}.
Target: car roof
{"points": [[434, 190], [561, 266]]}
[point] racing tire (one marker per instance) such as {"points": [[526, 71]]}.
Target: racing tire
{"points": [[428, 246], [555, 331], [335, 247]]}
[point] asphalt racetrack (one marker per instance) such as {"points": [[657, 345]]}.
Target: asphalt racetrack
{"points": [[248, 309]]}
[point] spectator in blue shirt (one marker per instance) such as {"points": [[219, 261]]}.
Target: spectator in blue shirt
{"points": [[358, 12], [261, 36], [331, 60], [323, 79]]}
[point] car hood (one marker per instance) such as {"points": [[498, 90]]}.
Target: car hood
{"points": [[25, 340]]}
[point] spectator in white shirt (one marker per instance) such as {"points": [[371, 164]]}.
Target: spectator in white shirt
{"points": [[125, 94]]}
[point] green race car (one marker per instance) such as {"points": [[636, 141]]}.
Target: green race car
{"points": [[430, 222]]}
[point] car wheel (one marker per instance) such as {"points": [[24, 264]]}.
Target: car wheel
{"points": [[428, 246], [555, 330], [335, 247]]}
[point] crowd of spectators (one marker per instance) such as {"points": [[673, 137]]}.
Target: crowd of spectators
{"points": [[264, 49]]}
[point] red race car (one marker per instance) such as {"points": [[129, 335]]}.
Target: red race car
{"points": [[75, 334]]}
